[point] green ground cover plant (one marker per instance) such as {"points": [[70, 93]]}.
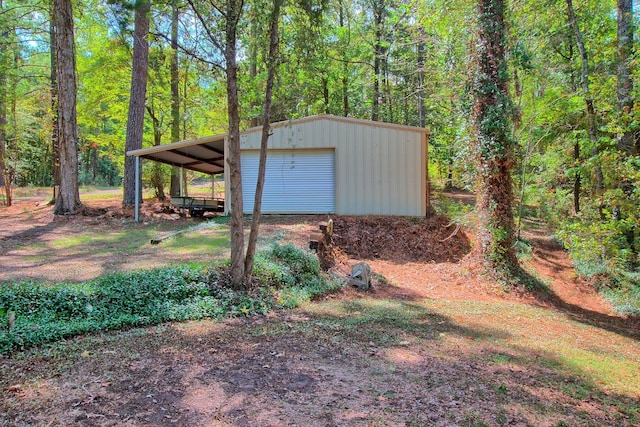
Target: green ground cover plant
{"points": [[285, 276]]}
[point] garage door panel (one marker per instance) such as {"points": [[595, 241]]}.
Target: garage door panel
{"points": [[296, 181]]}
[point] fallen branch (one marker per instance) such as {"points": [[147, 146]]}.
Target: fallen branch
{"points": [[458, 224], [452, 234], [159, 239], [91, 395]]}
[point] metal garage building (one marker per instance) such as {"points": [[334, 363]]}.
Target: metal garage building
{"points": [[320, 164]]}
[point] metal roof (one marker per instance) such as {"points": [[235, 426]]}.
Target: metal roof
{"points": [[206, 154]]}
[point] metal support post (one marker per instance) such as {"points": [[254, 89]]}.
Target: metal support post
{"points": [[137, 174]]}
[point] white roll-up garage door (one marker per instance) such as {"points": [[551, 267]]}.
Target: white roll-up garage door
{"points": [[296, 181]]}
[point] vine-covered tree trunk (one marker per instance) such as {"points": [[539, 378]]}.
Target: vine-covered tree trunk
{"points": [[254, 30], [233, 13], [625, 83], [577, 181], [266, 130], [494, 145], [68, 200], [135, 122], [174, 188]]}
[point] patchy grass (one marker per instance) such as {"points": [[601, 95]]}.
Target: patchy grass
{"points": [[365, 360], [605, 357], [539, 358], [216, 241], [97, 250]]}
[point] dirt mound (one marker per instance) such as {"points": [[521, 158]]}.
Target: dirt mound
{"points": [[401, 239]]}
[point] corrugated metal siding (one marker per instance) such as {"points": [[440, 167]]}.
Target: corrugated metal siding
{"points": [[378, 170], [296, 181]]}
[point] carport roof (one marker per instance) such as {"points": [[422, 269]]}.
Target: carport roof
{"points": [[206, 154]]}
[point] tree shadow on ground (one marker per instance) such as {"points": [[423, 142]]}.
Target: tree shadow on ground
{"points": [[626, 326], [357, 362], [541, 295], [550, 252]]}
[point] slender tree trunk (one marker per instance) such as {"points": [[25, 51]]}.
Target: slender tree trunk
{"points": [[388, 100], [157, 178], [494, 145], [449, 183], [135, 122], [4, 69], [325, 93], [253, 60], [68, 200], [185, 135], [53, 79], [4, 175], [345, 70], [185, 95], [233, 13], [625, 139], [94, 150], [422, 109], [625, 83], [586, 93], [174, 188], [379, 7], [577, 181], [266, 130]]}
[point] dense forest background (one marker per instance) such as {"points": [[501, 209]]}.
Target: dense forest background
{"points": [[408, 62]]}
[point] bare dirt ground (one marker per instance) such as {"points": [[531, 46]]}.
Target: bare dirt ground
{"points": [[431, 344], [36, 244]]}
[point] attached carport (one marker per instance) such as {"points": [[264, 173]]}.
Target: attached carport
{"points": [[206, 155]]}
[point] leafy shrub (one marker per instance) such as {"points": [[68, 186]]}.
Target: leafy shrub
{"points": [[286, 276], [601, 247], [299, 277], [452, 208], [625, 297]]}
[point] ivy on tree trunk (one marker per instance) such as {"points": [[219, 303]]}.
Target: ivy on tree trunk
{"points": [[494, 144]]}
